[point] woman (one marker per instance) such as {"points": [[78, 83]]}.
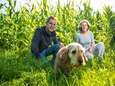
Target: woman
{"points": [[85, 37]]}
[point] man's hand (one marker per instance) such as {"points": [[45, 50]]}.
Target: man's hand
{"points": [[61, 45]]}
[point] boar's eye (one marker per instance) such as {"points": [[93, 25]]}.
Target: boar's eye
{"points": [[74, 51]]}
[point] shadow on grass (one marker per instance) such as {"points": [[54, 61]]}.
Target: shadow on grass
{"points": [[14, 66], [18, 68]]}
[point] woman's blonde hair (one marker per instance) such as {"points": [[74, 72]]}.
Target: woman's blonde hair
{"points": [[84, 21]]}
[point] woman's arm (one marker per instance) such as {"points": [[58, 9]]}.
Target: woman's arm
{"points": [[92, 44]]}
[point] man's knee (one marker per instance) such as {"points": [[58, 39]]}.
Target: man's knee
{"points": [[56, 47]]}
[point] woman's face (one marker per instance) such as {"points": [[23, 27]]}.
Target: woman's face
{"points": [[84, 27]]}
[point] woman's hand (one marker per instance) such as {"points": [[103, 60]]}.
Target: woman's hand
{"points": [[90, 49]]}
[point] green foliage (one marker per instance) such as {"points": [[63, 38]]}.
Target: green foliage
{"points": [[112, 21], [19, 68], [16, 28]]}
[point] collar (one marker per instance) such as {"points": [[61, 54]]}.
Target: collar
{"points": [[46, 31]]}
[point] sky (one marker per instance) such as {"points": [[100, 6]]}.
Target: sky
{"points": [[95, 4], [99, 4]]}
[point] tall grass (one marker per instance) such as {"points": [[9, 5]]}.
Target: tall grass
{"points": [[17, 27], [19, 68], [22, 70]]}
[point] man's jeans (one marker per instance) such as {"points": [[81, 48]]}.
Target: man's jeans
{"points": [[50, 51]]}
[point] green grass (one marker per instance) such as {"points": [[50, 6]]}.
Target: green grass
{"points": [[21, 69]]}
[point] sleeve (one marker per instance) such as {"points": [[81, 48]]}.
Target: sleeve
{"points": [[35, 43], [92, 38], [56, 39], [76, 38]]}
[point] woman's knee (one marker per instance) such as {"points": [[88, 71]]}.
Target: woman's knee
{"points": [[100, 45], [99, 49]]}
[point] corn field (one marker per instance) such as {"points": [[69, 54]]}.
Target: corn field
{"points": [[19, 68]]}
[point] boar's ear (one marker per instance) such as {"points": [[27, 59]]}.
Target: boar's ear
{"points": [[85, 58], [61, 57], [63, 53]]}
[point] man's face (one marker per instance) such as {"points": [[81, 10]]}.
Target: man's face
{"points": [[51, 25]]}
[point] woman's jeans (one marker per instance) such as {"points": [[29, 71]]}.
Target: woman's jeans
{"points": [[98, 50]]}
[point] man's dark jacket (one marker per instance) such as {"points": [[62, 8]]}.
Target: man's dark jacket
{"points": [[42, 40]]}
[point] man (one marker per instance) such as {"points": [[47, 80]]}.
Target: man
{"points": [[44, 41]]}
